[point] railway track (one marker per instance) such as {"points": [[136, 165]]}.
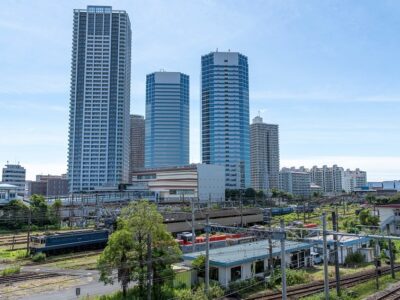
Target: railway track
{"points": [[10, 279], [298, 292], [390, 295]]}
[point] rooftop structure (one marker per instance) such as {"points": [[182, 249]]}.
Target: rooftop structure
{"points": [[244, 261]]}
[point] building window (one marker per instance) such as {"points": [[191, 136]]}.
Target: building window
{"points": [[214, 273], [236, 273], [258, 267]]}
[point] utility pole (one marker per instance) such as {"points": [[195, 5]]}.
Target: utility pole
{"points": [[391, 253], [149, 263], [271, 260], [28, 237], [325, 254], [193, 229], [377, 265], [336, 249], [241, 210], [283, 261], [207, 270]]}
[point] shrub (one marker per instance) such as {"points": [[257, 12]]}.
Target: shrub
{"points": [[354, 259], [39, 257], [11, 270]]}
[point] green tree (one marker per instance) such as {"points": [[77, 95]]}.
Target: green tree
{"points": [[118, 255], [56, 212], [199, 264], [152, 251], [250, 193], [40, 210]]}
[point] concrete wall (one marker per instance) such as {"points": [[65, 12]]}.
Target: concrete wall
{"points": [[211, 182]]}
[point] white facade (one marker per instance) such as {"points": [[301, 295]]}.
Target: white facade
{"points": [[8, 192], [14, 174], [205, 182], [295, 181], [245, 261], [347, 245], [353, 179], [390, 215], [329, 178]]}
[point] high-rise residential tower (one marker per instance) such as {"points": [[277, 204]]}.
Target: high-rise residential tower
{"points": [[225, 115], [98, 153], [137, 143], [329, 178], [167, 120], [264, 155]]}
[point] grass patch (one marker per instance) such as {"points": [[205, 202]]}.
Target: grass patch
{"points": [[361, 291], [12, 255], [10, 270]]}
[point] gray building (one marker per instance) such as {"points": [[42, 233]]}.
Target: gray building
{"points": [[98, 153], [328, 178], [295, 181], [225, 115], [136, 159], [15, 174], [264, 155], [48, 185], [167, 120]]}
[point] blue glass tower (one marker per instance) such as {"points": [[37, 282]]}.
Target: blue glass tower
{"points": [[167, 120], [98, 152], [225, 115]]}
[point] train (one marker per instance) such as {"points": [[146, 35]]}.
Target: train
{"points": [[58, 243]]}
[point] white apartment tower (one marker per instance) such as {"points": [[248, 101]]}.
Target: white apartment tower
{"points": [[98, 153], [264, 155]]}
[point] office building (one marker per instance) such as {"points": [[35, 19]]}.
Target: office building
{"points": [[48, 185], [98, 153], [264, 155], [199, 182], [328, 178], [353, 179], [225, 115], [136, 159], [167, 120], [295, 181], [15, 174]]}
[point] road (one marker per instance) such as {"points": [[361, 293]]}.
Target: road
{"points": [[87, 282]]}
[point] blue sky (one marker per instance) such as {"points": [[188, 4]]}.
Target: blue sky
{"points": [[326, 71]]}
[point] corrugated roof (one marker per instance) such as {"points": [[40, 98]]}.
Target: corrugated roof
{"points": [[238, 254]]}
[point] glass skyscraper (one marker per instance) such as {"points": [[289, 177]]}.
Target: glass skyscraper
{"points": [[225, 115], [167, 120], [98, 153]]}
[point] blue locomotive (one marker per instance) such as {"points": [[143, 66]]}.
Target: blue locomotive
{"points": [[58, 243]]}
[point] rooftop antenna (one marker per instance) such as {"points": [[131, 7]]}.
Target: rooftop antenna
{"points": [[259, 113], [229, 50], [216, 50]]}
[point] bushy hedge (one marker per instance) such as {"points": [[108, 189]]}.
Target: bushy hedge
{"points": [[355, 258]]}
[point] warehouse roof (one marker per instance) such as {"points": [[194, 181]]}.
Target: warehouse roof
{"points": [[242, 253]]}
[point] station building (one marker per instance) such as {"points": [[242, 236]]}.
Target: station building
{"points": [[8, 192], [196, 181], [244, 261], [347, 245]]}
